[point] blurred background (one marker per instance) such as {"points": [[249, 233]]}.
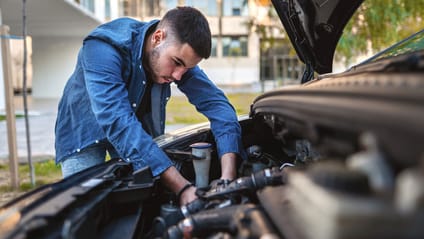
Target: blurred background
{"points": [[250, 49]]}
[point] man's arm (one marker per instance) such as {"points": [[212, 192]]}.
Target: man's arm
{"points": [[211, 102], [228, 166]]}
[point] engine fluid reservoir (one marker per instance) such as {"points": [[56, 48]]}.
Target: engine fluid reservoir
{"points": [[201, 162]]}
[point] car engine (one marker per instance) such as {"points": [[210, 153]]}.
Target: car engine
{"points": [[290, 188]]}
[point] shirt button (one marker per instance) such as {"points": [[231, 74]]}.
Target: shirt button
{"points": [[134, 105], [96, 141], [140, 67], [167, 98], [144, 82], [78, 150]]}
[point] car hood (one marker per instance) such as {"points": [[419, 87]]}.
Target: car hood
{"points": [[314, 28]]}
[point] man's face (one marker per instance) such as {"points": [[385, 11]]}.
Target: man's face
{"points": [[169, 59]]}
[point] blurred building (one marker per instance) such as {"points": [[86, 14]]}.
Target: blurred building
{"points": [[57, 28], [235, 48], [238, 53]]}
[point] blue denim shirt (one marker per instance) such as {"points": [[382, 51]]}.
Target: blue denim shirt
{"points": [[105, 90]]}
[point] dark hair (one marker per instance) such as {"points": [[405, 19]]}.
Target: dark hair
{"points": [[190, 26]]}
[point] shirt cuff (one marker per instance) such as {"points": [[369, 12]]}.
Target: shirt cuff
{"points": [[229, 143], [157, 160]]}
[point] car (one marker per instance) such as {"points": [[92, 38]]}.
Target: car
{"points": [[338, 156]]}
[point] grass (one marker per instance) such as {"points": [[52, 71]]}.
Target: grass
{"points": [[3, 117], [45, 172], [179, 111]]}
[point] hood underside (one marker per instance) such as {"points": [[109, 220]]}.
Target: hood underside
{"points": [[314, 28]]}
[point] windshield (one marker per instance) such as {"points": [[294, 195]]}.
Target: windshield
{"points": [[412, 44]]}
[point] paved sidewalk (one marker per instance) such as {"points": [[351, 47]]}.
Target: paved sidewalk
{"points": [[42, 116]]}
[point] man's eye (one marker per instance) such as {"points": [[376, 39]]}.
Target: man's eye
{"points": [[177, 63]]}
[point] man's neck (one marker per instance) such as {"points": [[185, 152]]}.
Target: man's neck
{"points": [[147, 48]]}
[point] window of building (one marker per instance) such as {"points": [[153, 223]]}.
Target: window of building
{"points": [[132, 8], [151, 8], [235, 8], [88, 4], [107, 9], [234, 46], [207, 7], [169, 4], [124, 8], [214, 47]]}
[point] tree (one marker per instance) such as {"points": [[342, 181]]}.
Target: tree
{"points": [[377, 24]]}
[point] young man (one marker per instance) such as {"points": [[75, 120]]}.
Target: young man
{"points": [[115, 99]]}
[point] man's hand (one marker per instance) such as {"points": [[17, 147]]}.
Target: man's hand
{"points": [[174, 181], [188, 195], [228, 166]]}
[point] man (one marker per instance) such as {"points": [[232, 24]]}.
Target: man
{"points": [[115, 99]]}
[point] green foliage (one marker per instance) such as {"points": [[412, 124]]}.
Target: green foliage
{"points": [[378, 24]]}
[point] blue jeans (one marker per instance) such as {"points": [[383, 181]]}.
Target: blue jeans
{"points": [[86, 158]]}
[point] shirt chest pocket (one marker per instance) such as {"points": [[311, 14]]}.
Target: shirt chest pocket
{"points": [[136, 86]]}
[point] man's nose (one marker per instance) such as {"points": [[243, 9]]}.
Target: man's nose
{"points": [[178, 73]]}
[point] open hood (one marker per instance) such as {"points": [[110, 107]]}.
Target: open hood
{"points": [[314, 28]]}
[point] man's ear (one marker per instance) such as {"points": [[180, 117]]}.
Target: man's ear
{"points": [[158, 36]]}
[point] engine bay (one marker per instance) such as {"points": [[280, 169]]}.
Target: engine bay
{"points": [[293, 187]]}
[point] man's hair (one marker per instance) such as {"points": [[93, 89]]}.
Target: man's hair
{"points": [[189, 26]]}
